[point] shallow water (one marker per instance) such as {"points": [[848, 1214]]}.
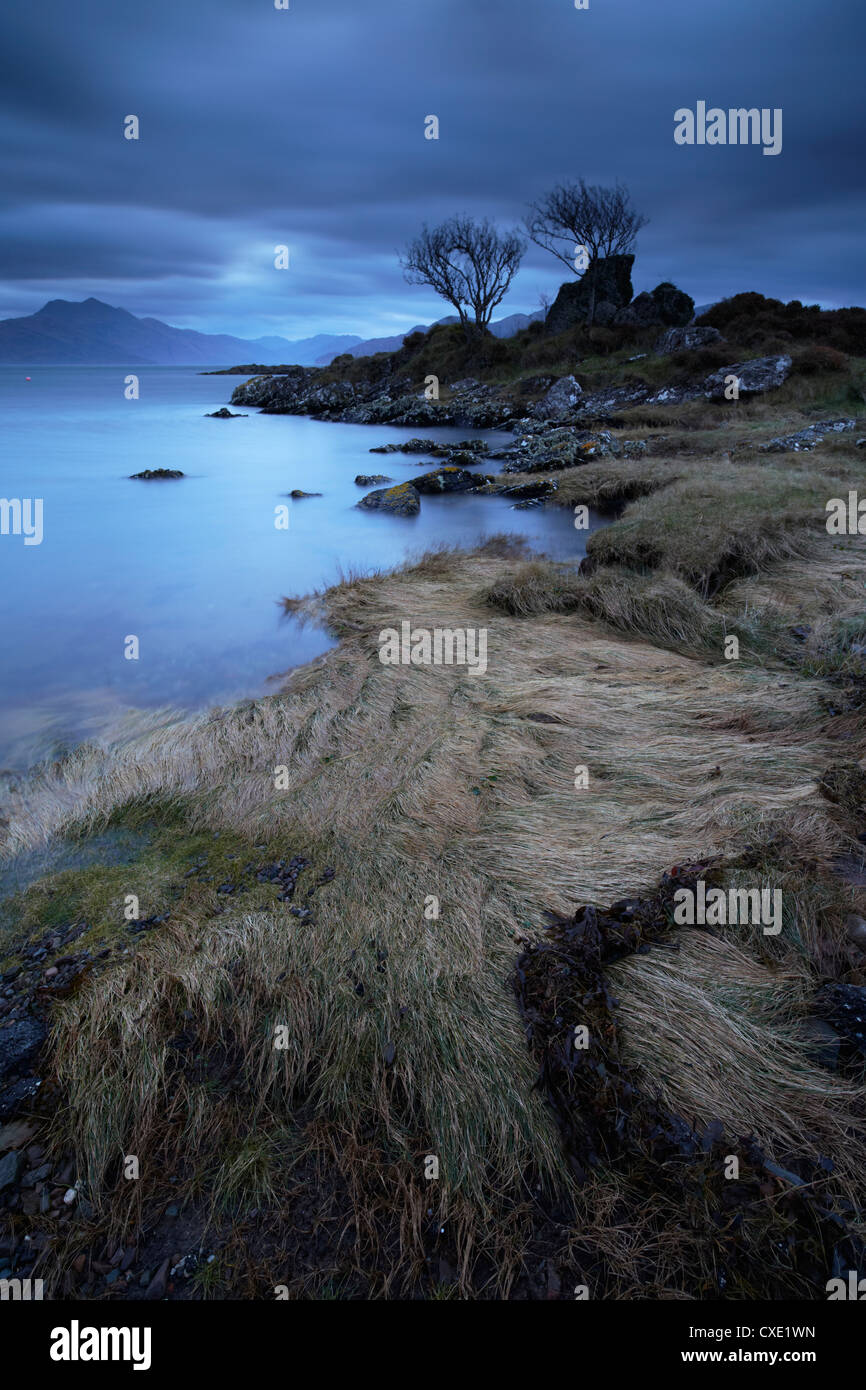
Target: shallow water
{"points": [[193, 568]]}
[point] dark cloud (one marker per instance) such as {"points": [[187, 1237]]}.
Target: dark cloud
{"points": [[305, 127]]}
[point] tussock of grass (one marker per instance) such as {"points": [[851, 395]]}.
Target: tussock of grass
{"points": [[712, 528]]}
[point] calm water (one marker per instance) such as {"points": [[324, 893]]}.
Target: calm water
{"points": [[193, 568]]}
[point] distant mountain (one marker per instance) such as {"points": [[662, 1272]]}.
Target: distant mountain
{"points": [[90, 333], [502, 328]]}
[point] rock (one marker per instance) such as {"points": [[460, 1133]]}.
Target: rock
{"points": [[559, 402], [761, 374], [10, 1167], [297, 493], [19, 1044], [401, 500], [665, 304], [612, 275], [15, 1135], [157, 474], [844, 1007], [808, 437], [156, 1287], [444, 480], [370, 479], [12, 1097], [432, 446], [564, 447], [225, 414], [859, 443], [856, 930], [685, 340]]}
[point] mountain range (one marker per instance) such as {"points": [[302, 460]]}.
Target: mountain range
{"points": [[91, 333]]}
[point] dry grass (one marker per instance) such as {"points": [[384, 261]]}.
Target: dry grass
{"points": [[414, 782]]}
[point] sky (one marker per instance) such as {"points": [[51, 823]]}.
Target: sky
{"points": [[305, 127]]}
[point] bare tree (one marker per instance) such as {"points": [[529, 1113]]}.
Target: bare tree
{"points": [[582, 223], [468, 263]]}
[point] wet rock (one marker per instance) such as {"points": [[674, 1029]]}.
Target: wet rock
{"points": [[761, 374], [158, 475], [445, 480], [297, 493], [225, 414], [807, 438], [564, 447], [400, 500], [370, 479]]}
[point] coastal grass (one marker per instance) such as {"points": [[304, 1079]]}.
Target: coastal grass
{"points": [[420, 785]]}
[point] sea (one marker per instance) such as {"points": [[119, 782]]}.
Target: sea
{"points": [[193, 569]]}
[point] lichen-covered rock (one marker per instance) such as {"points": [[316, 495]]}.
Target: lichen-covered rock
{"points": [[761, 374], [400, 500], [565, 447], [370, 479], [808, 437], [686, 339], [445, 480], [559, 401]]}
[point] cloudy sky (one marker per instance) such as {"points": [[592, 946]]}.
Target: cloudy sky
{"points": [[305, 126]]}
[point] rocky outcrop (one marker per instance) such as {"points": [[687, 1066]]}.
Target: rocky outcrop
{"points": [[761, 374], [446, 480], [370, 479], [224, 414], [298, 493], [432, 446], [559, 401], [807, 438], [685, 340], [612, 276], [663, 305], [470, 402], [562, 448], [401, 500]]}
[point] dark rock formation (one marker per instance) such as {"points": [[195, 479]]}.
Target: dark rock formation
{"points": [[370, 479], [612, 278], [663, 305], [445, 480], [157, 474], [297, 492], [224, 414]]}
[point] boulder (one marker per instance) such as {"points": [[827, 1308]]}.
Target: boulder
{"points": [[559, 401], [571, 307], [225, 414], [665, 305], [686, 340], [761, 374], [400, 500], [370, 479], [444, 480], [297, 493]]}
